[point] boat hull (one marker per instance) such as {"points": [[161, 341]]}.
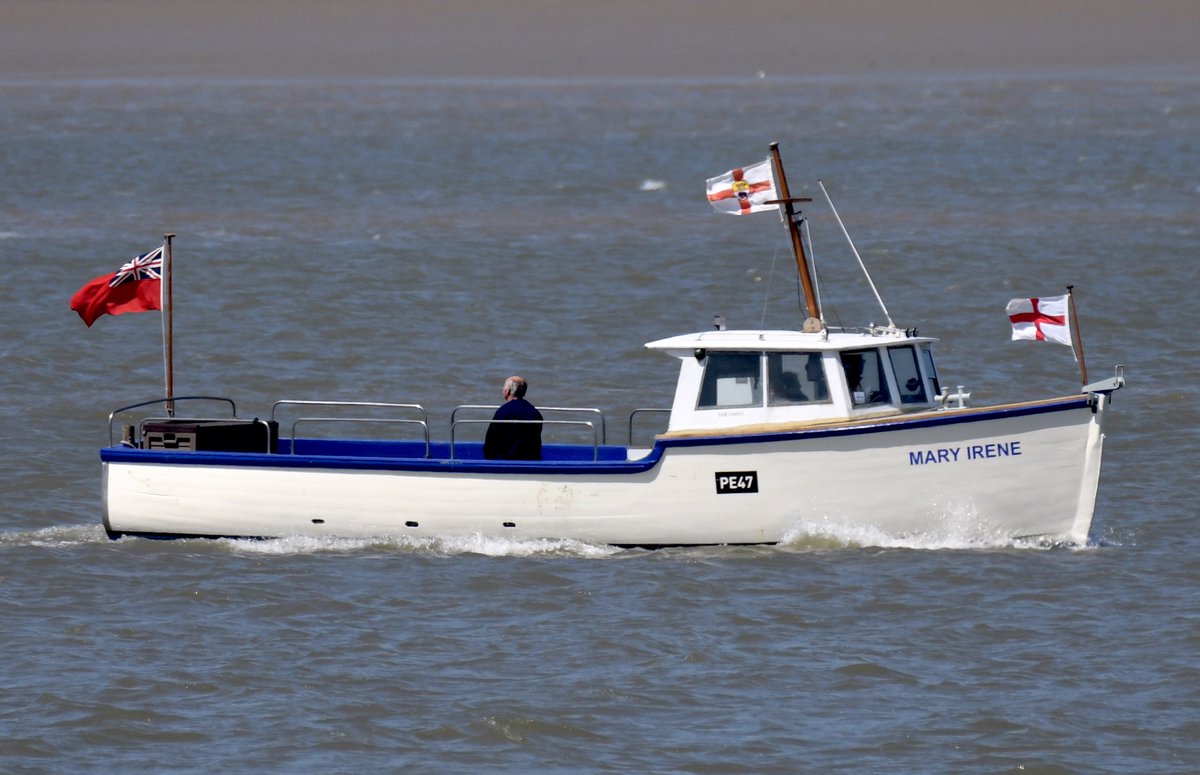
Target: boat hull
{"points": [[1017, 471]]}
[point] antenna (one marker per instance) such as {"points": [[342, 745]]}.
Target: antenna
{"points": [[863, 266]]}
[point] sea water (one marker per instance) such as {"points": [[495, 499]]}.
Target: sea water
{"points": [[419, 241]]}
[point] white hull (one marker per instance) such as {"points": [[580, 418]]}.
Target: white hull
{"points": [[905, 476]]}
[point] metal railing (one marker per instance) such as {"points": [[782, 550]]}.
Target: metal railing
{"points": [[595, 431], [384, 420], [636, 412], [423, 421], [372, 404], [171, 402], [567, 409], [598, 425]]}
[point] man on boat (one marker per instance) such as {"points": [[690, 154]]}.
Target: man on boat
{"points": [[514, 440]]}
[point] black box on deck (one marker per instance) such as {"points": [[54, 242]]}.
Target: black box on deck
{"points": [[211, 435]]}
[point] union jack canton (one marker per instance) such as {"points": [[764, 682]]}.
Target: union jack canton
{"points": [[147, 266]]}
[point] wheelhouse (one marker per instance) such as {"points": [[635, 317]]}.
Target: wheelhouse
{"points": [[733, 378]]}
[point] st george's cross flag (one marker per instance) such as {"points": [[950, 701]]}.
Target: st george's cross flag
{"points": [[135, 287], [1042, 319], [744, 190]]}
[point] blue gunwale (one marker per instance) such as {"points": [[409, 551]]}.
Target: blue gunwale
{"points": [[558, 458]]}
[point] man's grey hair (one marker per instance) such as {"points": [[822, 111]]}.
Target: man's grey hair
{"points": [[516, 386]]}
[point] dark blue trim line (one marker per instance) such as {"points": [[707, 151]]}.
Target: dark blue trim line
{"points": [[471, 462]]}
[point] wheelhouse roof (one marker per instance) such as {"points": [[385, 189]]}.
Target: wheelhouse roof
{"points": [[685, 345]]}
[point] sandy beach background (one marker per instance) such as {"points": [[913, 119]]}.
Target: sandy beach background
{"points": [[570, 39]]}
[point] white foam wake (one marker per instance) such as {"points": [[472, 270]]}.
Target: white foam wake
{"points": [[491, 546], [953, 532]]}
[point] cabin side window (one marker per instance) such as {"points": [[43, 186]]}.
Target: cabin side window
{"points": [[731, 379], [908, 374], [930, 369], [795, 378], [865, 377]]}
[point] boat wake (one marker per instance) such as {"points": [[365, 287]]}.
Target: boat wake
{"points": [[806, 535], [55, 536], [62, 536], [954, 533], [489, 546]]}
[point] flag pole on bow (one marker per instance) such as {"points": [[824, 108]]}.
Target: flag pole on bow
{"points": [[1076, 334]]}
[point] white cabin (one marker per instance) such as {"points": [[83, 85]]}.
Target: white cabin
{"points": [[729, 379]]}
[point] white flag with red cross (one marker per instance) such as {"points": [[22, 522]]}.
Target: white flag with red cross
{"points": [[744, 190], [1044, 319]]}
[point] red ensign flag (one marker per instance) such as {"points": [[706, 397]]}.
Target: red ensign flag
{"points": [[135, 287]]}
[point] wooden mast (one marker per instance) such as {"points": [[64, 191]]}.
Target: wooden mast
{"points": [[788, 201]]}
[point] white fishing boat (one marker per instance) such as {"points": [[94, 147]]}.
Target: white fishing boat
{"points": [[769, 431]]}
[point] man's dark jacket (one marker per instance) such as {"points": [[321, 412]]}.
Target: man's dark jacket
{"points": [[514, 441]]}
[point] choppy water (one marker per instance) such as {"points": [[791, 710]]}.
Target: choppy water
{"points": [[420, 241]]}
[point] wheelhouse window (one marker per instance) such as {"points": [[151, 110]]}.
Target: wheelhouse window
{"points": [[931, 370], [865, 377], [795, 378], [731, 379], [908, 375]]}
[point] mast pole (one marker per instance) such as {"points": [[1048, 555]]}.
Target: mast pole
{"points": [[168, 326], [1076, 334], [788, 203]]}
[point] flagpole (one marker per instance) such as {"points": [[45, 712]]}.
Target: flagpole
{"points": [[1076, 334], [168, 327]]}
